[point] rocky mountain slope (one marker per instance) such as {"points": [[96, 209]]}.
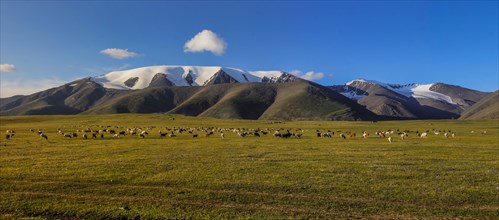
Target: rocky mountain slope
{"points": [[224, 92], [283, 101], [411, 101], [486, 108]]}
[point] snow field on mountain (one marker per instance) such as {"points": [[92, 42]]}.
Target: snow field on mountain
{"points": [[409, 90], [177, 75]]}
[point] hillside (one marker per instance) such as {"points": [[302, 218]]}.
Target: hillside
{"points": [[225, 92], [282, 101], [411, 101], [487, 108]]}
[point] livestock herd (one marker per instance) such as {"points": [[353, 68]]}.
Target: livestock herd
{"points": [[171, 132]]}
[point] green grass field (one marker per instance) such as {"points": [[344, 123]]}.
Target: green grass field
{"points": [[246, 177]]}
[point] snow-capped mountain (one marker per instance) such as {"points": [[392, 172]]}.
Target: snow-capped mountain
{"points": [[409, 90], [144, 77], [215, 91], [435, 100]]}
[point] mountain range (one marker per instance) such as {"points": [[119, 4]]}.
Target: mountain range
{"points": [[223, 92]]}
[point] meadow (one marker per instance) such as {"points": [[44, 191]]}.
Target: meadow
{"points": [[247, 177]]}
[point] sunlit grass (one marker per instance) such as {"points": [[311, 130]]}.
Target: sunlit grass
{"points": [[250, 177]]}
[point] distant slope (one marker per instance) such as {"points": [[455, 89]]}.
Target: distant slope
{"points": [[299, 99], [71, 98], [461, 96], [410, 101], [487, 108]]}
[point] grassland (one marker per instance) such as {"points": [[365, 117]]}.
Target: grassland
{"points": [[250, 177]]}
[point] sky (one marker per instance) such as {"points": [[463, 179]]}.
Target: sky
{"points": [[50, 43]]}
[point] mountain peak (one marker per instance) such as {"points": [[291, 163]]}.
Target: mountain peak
{"points": [[414, 90], [142, 77]]}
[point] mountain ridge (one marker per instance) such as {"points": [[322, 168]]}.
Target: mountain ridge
{"points": [[411, 101], [277, 101], [216, 91]]}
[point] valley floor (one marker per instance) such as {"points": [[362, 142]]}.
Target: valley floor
{"points": [[246, 177]]}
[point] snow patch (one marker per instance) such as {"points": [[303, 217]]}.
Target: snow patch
{"points": [[423, 91], [408, 90], [177, 75]]}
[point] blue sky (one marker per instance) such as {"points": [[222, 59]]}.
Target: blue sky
{"points": [[51, 43]]}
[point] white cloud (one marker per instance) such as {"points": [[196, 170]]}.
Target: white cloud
{"points": [[10, 88], [7, 68], [206, 40], [310, 75], [119, 54]]}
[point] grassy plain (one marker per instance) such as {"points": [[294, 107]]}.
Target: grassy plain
{"points": [[247, 177]]}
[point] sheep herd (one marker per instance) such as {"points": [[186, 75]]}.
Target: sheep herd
{"points": [[115, 132]]}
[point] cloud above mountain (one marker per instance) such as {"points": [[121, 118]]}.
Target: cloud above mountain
{"points": [[7, 68], [206, 40], [310, 75], [119, 54]]}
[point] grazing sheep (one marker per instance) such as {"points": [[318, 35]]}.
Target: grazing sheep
{"points": [[424, 134], [195, 135], [277, 134], [298, 135], [453, 134], [328, 135], [365, 134], [94, 135], [287, 135], [403, 135], [381, 134], [67, 135], [390, 139], [7, 136], [222, 135], [101, 135], [446, 135], [352, 135], [43, 135], [343, 136], [84, 136]]}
